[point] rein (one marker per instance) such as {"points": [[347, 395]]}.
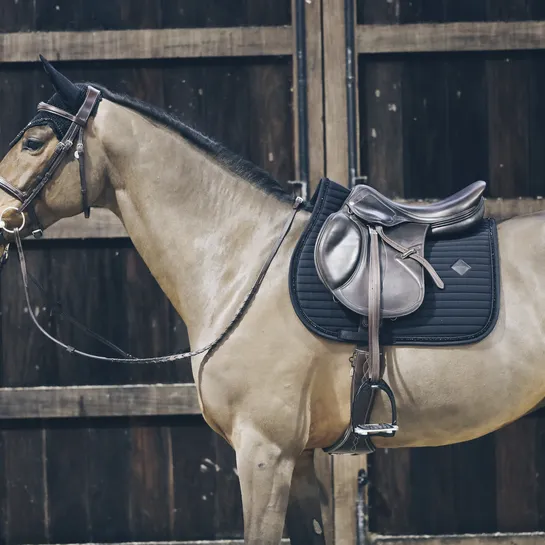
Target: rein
{"points": [[174, 357]]}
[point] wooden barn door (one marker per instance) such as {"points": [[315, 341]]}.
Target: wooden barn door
{"points": [[447, 96], [95, 452]]}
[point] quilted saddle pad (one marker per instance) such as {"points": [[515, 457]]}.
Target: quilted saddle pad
{"points": [[464, 312]]}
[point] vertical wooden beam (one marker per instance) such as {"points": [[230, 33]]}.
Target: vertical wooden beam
{"points": [[335, 115], [315, 92], [344, 468], [382, 133], [313, 86]]}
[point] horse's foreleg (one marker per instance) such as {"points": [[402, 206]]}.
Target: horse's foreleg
{"points": [[265, 472], [304, 518]]}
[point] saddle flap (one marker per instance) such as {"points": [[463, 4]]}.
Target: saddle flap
{"points": [[341, 257], [341, 246]]}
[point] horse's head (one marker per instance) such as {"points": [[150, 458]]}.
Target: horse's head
{"points": [[48, 173]]}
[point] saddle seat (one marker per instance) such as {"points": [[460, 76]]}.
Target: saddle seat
{"points": [[453, 214], [370, 255]]}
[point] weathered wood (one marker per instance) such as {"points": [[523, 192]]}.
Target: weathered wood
{"points": [[343, 485], [146, 44], [67, 455], [516, 482], [533, 538], [151, 485], [103, 224], [97, 401], [108, 479], [228, 509], [194, 464], [335, 120], [508, 119], [381, 109], [200, 542], [429, 37], [474, 478], [390, 495], [27, 360], [315, 92], [23, 472]]}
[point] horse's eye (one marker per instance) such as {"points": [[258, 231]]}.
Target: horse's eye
{"points": [[32, 144]]}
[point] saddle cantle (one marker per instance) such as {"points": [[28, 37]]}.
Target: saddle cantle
{"points": [[370, 254], [448, 216]]}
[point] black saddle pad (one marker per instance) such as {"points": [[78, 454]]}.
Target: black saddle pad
{"points": [[465, 311]]}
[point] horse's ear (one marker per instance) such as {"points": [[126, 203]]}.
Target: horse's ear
{"points": [[68, 91]]}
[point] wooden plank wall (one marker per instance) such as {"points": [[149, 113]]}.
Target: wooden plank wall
{"points": [[431, 124], [127, 478]]}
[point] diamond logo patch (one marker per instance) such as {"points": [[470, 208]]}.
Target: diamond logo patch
{"points": [[461, 267]]}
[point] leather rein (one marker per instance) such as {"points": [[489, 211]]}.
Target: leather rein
{"points": [[76, 130]]}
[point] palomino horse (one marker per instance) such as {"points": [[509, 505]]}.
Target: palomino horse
{"points": [[204, 222]]}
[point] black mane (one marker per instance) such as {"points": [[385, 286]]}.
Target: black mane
{"points": [[243, 168]]}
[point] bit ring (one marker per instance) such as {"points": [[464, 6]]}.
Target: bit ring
{"points": [[3, 223]]}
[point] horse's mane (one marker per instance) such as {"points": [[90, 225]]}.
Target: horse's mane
{"points": [[240, 166]]}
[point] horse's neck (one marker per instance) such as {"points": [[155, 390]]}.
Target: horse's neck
{"points": [[203, 232]]}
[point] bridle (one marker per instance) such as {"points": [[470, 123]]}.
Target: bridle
{"points": [[75, 132]]}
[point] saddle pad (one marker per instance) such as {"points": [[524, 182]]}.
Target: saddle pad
{"points": [[464, 312]]}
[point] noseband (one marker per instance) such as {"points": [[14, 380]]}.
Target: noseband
{"points": [[75, 132]]}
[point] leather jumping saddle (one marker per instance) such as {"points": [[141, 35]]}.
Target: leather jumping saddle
{"points": [[370, 256]]}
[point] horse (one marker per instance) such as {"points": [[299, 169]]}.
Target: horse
{"points": [[205, 221]]}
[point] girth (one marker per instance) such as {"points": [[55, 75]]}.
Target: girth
{"points": [[74, 133]]}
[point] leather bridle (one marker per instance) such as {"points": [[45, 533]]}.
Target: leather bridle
{"points": [[74, 133]]}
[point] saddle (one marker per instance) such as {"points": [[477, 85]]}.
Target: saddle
{"points": [[370, 256]]}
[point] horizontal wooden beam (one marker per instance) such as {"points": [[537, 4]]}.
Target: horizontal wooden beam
{"points": [[103, 224], [200, 542], [146, 44], [532, 538], [99, 401], [426, 37]]}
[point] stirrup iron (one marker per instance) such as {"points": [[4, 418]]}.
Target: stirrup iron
{"points": [[382, 429]]}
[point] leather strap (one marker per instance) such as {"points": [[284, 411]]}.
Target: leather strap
{"points": [[412, 253], [374, 306], [174, 357], [44, 107], [75, 131], [12, 190], [80, 154]]}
